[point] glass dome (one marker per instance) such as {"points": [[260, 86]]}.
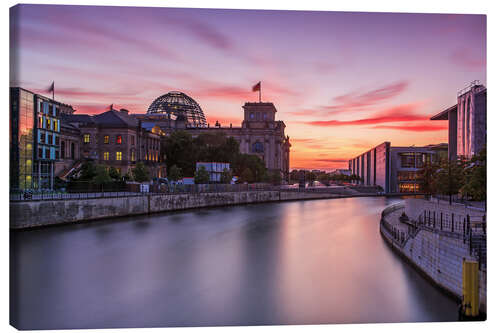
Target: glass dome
{"points": [[179, 106]]}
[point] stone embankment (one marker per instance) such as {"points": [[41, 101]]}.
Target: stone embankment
{"points": [[27, 214], [436, 237]]}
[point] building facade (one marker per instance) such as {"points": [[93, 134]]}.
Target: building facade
{"points": [[35, 129], [112, 138], [394, 169], [466, 122], [260, 133]]}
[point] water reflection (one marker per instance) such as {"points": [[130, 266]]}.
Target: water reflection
{"points": [[306, 262]]}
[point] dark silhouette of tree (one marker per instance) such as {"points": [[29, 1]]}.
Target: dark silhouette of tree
{"points": [[475, 178], [201, 176], [226, 176], [175, 173], [141, 173]]}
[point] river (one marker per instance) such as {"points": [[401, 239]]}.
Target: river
{"points": [[301, 262]]}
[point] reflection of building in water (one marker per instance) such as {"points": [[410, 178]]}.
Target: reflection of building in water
{"points": [[35, 139], [260, 133], [395, 169], [466, 121]]}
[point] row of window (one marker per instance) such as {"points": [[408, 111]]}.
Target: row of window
{"points": [[48, 138], [258, 115], [48, 109], [119, 156], [49, 123], [118, 139], [50, 153]]}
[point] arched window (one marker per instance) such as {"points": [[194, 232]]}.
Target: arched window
{"points": [[258, 147]]}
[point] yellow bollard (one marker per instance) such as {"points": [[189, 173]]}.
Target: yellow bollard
{"points": [[470, 288]]}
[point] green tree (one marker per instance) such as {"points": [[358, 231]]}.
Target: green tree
{"points": [[101, 175], [179, 149], [247, 176], [449, 178], [427, 176], [201, 176], [114, 174], [226, 176], [175, 173], [141, 173], [475, 178], [324, 179], [275, 177], [88, 171]]}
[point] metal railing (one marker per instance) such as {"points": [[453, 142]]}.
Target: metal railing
{"points": [[155, 189]]}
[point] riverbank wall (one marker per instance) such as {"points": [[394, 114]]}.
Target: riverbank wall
{"points": [[435, 244], [29, 214]]}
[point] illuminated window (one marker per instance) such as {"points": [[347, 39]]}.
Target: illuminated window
{"points": [[40, 122], [132, 155], [86, 138], [118, 155], [106, 155], [48, 123], [119, 139], [251, 115], [106, 139]]}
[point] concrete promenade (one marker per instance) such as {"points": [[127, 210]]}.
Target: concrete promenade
{"points": [[434, 245]]}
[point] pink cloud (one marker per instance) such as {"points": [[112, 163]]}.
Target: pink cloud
{"points": [[400, 113], [414, 128]]}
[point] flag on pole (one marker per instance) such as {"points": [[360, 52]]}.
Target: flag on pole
{"points": [[51, 89], [257, 88]]}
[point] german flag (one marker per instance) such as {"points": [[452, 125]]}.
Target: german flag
{"points": [[256, 87]]}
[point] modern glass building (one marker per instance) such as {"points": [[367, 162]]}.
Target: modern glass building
{"points": [[21, 139], [34, 139], [395, 169]]}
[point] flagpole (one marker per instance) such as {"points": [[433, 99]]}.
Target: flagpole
{"points": [[53, 90], [260, 90]]}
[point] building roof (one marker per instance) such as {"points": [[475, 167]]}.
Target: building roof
{"points": [[443, 115], [113, 118], [76, 118]]}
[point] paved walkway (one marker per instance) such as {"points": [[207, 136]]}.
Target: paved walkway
{"points": [[393, 219]]}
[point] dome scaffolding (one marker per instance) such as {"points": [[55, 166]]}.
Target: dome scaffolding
{"points": [[179, 106]]}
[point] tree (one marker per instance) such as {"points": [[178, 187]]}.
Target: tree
{"points": [[427, 176], [201, 176], [324, 179], [226, 176], [101, 175], [247, 176], [141, 173], [179, 149], [88, 171], [275, 177], [114, 174], [175, 173], [475, 178], [449, 178]]}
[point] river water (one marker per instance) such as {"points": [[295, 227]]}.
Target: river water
{"points": [[302, 262]]}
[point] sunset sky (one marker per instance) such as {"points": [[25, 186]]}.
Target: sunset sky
{"points": [[342, 82]]}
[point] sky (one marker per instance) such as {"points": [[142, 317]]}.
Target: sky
{"points": [[343, 82]]}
